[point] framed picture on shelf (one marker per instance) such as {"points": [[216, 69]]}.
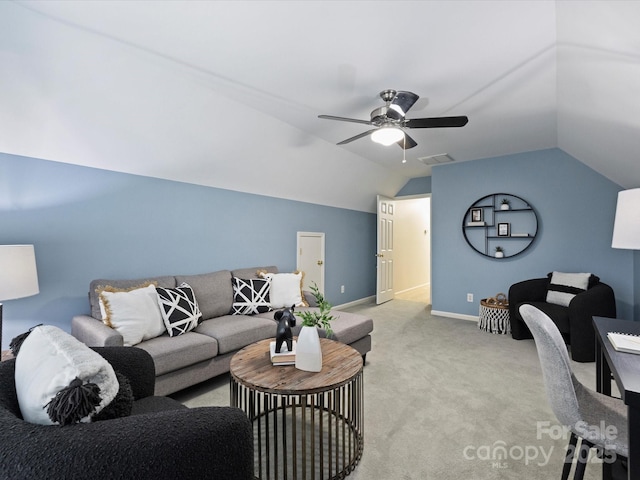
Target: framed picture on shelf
{"points": [[504, 229], [476, 214]]}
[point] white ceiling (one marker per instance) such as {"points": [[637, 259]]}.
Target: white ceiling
{"points": [[227, 93]]}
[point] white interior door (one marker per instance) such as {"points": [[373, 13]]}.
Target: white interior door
{"points": [[384, 255], [311, 259]]}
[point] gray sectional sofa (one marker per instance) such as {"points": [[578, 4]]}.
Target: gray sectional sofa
{"points": [[206, 351]]}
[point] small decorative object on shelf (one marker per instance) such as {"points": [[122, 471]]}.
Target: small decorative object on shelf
{"points": [[499, 252], [504, 230], [476, 216], [493, 218], [308, 351]]}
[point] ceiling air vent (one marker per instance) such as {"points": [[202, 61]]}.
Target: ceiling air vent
{"points": [[436, 159]]}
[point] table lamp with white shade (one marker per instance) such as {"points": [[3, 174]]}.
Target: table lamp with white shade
{"points": [[18, 274]]}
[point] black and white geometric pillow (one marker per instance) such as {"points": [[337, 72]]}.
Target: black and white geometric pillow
{"points": [[250, 296], [179, 309], [564, 286]]}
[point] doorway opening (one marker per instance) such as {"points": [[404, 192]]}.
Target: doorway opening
{"points": [[412, 256]]}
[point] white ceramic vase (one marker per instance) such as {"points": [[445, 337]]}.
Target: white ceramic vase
{"points": [[499, 254], [308, 351]]}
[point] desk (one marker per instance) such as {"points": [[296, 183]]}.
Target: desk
{"points": [[626, 371]]}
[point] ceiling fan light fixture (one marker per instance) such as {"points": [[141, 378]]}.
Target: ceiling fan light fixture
{"points": [[396, 108], [387, 136]]}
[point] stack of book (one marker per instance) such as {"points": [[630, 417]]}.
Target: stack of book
{"points": [[284, 357]]}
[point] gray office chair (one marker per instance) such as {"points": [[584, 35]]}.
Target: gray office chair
{"points": [[577, 407]]}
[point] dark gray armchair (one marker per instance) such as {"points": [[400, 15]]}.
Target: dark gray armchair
{"points": [[160, 439], [574, 322]]}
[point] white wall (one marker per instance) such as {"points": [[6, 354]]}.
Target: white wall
{"points": [[412, 237]]}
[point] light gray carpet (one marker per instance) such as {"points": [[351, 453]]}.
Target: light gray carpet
{"points": [[444, 399]]}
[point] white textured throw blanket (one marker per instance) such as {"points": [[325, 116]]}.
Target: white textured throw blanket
{"points": [[48, 361]]}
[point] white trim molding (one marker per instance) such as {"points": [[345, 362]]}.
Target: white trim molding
{"points": [[471, 318]]}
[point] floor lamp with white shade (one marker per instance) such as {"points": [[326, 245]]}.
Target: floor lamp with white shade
{"points": [[18, 274], [626, 227]]}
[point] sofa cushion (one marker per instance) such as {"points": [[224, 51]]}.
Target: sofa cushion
{"points": [[179, 309], [564, 286], [134, 314], [122, 285], [214, 292], [250, 296], [253, 272], [173, 353], [234, 332], [347, 327]]}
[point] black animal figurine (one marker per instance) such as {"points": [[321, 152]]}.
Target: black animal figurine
{"points": [[286, 319]]}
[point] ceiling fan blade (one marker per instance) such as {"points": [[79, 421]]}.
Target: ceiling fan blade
{"points": [[343, 119], [407, 142], [436, 122], [401, 104], [364, 134]]}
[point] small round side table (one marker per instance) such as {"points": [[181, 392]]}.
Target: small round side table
{"points": [[306, 425]]}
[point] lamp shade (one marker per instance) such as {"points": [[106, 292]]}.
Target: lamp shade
{"points": [[18, 274], [387, 135], [626, 228]]}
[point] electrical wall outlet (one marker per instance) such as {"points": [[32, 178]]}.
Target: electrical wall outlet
{"points": [[341, 288], [469, 297]]}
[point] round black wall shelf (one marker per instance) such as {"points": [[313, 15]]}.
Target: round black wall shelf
{"points": [[500, 221]]}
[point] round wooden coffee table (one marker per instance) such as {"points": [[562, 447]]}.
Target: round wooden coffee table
{"points": [[306, 425]]}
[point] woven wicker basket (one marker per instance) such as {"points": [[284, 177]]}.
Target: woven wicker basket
{"points": [[494, 315]]}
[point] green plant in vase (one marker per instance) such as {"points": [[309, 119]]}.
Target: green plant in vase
{"points": [[318, 318]]}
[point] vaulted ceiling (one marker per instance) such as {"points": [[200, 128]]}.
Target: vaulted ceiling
{"points": [[228, 93]]}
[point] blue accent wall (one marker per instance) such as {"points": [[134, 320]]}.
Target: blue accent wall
{"points": [[575, 207], [416, 186], [87, 223]]}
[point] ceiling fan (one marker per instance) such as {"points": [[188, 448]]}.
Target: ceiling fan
{"points": [[390, 120]]}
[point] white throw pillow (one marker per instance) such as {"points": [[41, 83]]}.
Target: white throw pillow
{"points": [[564, 286], [109, 288], [135, 314], [286, 289], [48, 361]]}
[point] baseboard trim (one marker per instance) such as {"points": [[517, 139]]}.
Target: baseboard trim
{"points": [[471, 318], [361, 301], [410, 289]]}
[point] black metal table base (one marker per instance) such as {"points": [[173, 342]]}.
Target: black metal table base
{"points": [[307, 437]]}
